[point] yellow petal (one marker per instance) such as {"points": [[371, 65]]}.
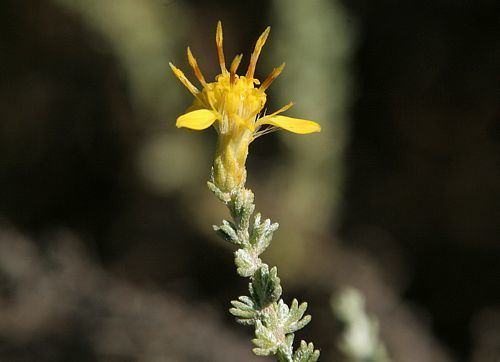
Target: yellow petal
{"points": [[197, 120], [294, 125]]}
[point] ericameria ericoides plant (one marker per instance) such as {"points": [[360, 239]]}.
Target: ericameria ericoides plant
{"points": [[234, 105]]}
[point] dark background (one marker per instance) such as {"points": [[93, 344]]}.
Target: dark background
{"points": [[420, 202]]}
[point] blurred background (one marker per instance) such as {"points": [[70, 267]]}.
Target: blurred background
{"points": [[106, 246]]}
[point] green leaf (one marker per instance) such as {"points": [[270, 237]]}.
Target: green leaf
{"points": [[285, 350], [244, 310], [262, 234], [222, 196], [242, 207], [289, 320], [295, 319], [227, 231], [265, 287], [246, 262], [306, 353], [265, 340]]}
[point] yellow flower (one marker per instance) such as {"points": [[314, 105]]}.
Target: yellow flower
{"points": [[233, 104]]}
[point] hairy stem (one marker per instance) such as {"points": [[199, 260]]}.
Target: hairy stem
{"points": [[274, 321]]}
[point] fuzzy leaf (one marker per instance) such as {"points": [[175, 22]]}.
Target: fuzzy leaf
{"points": [[294, 320], [222, 196], [246, 262], [228, 232], [288, 319], [265, 287], [306, 353], [244, 310], [265, 340], [242, 207], [285, 350], [262, 234]]}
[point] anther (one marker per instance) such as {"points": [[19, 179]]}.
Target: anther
{"points": [[274, 74], [256, 52], [194, 64], [220, 50]]}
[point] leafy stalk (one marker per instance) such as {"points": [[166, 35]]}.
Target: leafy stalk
{"points": [[274, 321]]}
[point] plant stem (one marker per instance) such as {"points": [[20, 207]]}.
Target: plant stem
{"points": [[274, 321]]}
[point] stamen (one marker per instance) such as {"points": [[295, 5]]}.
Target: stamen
{"points": [[236, 63], [234, 66], [274, 74], [256, 52], [282, 109], [220, 50], [194, 64], [179, 74], [267, 130]]}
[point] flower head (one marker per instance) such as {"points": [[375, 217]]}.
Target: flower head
{"points": [[233, 104]]}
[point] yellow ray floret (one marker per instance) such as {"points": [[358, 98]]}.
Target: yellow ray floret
{"points": [[197, 120], [295, 125]]}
